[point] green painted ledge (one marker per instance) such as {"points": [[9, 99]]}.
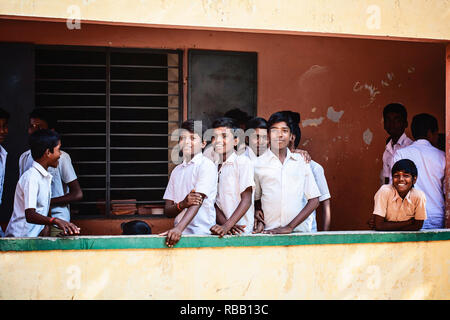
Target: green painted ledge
{"points": [[158, 242]]}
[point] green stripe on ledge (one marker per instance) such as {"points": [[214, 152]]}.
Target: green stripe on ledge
{"points": [[259, 240]]}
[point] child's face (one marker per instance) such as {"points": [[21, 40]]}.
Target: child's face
{"points": [[403, 182], [394, 124], [223, 140], [280, 135], [258, 141], [190, 143], [3, 130], [53, 157], [36, 124]]}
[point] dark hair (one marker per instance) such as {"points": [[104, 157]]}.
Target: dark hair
{"points": [[135, 227], [45, 115], [4, 114], [406, 166], [420, 125], [256, 123], [396, 108], [189, 125], [42, 140], [241, 117], [225, 122], [295, 118]]}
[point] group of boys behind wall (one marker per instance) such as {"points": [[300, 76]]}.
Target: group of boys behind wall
{"points": [[4, 116]]}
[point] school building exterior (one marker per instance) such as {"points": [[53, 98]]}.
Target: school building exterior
{"points": [[121, 75]]}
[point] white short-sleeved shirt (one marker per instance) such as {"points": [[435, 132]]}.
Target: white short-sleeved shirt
{"points": [[430, 163], [199, 174], [62, 176], [281, 188], [321, 181], [33, 191], [389, 152], [235, 176]]}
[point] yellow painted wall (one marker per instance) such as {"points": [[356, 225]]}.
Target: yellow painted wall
{"points": [[406, 270], [402, 18]]}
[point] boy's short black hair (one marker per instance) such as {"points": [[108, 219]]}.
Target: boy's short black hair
{"points": [[256, 123], [190, 126], [45, 115], [42, 140], [295, 118], [135, 227], [4, 114], [405, 165], [241, 117], [396, 108], [225, 122], [420, 125]]}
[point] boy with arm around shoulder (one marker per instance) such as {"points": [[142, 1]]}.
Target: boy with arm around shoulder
{"points": [[192, 187]]}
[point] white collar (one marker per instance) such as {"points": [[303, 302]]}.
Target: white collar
{"points": [[424, 142], [41, 169], [196, 159], [231, 159]]}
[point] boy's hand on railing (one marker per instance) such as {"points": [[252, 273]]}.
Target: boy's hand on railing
{"points": [[237, 229], [258, 227], [219, 230], [172, 236], [67, 228], [280, 230]]}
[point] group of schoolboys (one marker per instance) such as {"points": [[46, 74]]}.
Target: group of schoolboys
{"points": [[47, 182], [256, 182], [233, 186]]}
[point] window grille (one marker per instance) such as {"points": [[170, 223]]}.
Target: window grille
{"points": [[115, 109]]}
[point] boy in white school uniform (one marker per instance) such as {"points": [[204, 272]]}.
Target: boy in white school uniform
{"points": [[395, 118], [4, 118], [324, 208], [234, 201], [282, 180], [65, 186], [33, 191], [191, 191], [430, 163]]}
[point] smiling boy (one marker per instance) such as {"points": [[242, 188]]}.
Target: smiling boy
{"points": [[192, 187], [33, 191], [234, 201], [399, 206], [282, 180]]}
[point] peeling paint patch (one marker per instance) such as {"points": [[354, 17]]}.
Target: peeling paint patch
{"points": [[384, 83], [368, 136], [312, 122], [411, 69], [390, 76], [334, 115], [313, 71], [373, 91], [313, 109]]}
